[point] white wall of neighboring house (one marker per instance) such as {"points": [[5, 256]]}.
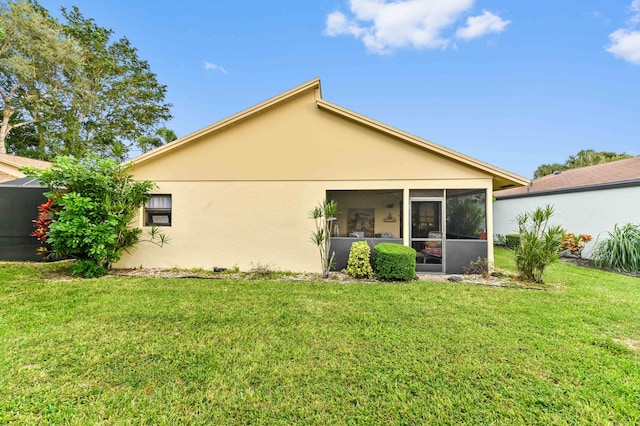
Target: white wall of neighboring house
{"points": [[588, 212]]}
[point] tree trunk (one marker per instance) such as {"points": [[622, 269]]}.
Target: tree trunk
{"points": [[4, 129]]}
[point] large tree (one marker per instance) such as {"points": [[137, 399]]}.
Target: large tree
{"points": [[111, 103], [586, 157], [35, 56]]}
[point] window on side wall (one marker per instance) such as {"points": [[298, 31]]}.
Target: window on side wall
{"points": [[157, 211]]}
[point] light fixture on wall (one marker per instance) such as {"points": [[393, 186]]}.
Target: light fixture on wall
{"points": [[389, 218]]}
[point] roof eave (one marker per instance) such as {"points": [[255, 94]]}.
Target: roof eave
{"points": [[585, 188]]}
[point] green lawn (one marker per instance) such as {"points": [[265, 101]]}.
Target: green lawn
{"points": [[195, 351]]}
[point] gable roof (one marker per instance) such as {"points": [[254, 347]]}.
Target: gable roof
{"points": [[16, 161], [601, 176], [502, 178]]}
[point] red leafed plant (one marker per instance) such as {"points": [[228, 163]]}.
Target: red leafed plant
{"points": [[41, 224], [575, 244]]}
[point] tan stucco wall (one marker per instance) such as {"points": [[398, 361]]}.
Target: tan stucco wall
{"points": [[241, 196], [298, 141], [244, 224]]}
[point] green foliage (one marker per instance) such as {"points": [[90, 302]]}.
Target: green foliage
{"points": [[358, 265], [35, 55], [193, 351], [512, 240], [586, 157], [88, 269], [620, 251], [478, 267], [539, 243], [465, 217], [394, 262], [324, 217], [93, 203], [161, 137], [104, 99]]}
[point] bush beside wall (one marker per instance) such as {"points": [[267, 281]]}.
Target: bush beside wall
{"points": [[394, 262], [512, 240], [358, 265]]}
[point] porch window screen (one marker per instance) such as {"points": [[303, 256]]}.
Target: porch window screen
{"points": [[158, 210], [466, 214]]}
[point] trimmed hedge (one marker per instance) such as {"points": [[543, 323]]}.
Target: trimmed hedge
{"points": [[512, 240], [394, 262]]}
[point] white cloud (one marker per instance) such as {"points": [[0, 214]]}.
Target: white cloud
{"points": [[635, 8], [477, 26], [210, 66], [386, 25], [625, 44]]}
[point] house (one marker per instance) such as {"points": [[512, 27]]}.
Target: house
{"points": [[588, 200], [10, 166], [239, 192]]}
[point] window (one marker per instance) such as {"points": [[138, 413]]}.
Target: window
{"points": [[466, 214], [157, 211]]}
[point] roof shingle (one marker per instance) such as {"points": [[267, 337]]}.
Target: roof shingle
{"points": [[627, 170]]}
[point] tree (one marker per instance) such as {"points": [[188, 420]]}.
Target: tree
{"points": [[117, 99], [106, 100], [92, 202], [35, 55], [548, 169], [586, 157], [161, 137]]}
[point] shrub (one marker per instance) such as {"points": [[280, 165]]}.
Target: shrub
{"points": [[260, 271], [92, 203], [621, 251], [512, 240], [394, 262], [539, 243], [500, 240], [479, 267], [575, 244], [358, 265]]}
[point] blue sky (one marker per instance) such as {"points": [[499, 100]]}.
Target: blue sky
{"points": [[515, 84]]}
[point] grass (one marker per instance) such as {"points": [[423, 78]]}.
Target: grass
{"points": [[121, 350]]}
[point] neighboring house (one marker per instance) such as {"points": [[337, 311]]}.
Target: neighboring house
{"points": [[19, 201], [589, 200], [10, 165], [239, 192]]}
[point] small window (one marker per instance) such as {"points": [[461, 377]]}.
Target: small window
{"points": [[157, 211]]}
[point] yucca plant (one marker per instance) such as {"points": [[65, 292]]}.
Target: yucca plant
{"points": [[620, 251], [324, 217], [539, 243]]}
